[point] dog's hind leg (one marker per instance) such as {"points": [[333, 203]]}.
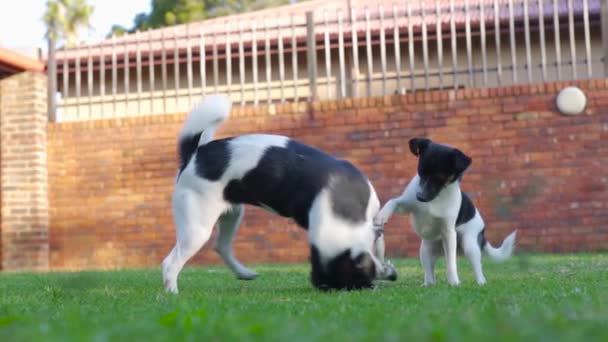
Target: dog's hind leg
{"points": [[472, 251], [194, 218], [229, 224]]}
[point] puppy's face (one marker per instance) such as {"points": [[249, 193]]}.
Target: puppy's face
{"points": [[438, 166], [343, 272]]}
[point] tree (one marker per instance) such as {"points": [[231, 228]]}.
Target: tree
{"points": [[227, 7], [117, 30], [65, 18], [173, 12]]}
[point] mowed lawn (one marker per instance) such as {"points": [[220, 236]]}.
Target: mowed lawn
{"points": [[535, 298]]}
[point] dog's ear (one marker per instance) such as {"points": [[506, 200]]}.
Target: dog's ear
{"points": [[418, 145], [365, 263], [460, 161]]}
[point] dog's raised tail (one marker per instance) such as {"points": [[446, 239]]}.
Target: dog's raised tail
{"points": [[201, 123], [503, 252]]}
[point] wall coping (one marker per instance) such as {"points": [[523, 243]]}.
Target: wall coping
{"points": [[303, 107]]}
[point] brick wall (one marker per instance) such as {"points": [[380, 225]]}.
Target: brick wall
{"points": [[24, 230], [533, 170]]}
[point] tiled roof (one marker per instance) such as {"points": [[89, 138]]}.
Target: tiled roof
{"points": [[13, 62], [278, 21]]}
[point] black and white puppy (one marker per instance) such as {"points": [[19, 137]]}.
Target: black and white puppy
{"points": [[441, 214], [330, 198]]}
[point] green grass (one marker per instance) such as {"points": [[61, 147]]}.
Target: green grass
{"points": [[538, 298]]}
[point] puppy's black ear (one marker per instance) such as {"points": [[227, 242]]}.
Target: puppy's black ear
{"points": [[460, 161], [418, 145]]}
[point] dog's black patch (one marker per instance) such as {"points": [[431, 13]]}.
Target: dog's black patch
{"points": [[186, 148], [212, 159], [288, 179], [438, 165], [481, 239], [467, 210], [342, 272]]}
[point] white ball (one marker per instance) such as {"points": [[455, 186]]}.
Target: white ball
{"points": [[571, 101]]}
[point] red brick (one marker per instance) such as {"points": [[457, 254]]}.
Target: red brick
{"points": [[24, 228], [110, 182]]}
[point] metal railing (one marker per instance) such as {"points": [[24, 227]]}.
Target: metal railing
{"points": [[326, 54]]}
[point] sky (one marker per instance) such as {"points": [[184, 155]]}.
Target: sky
{"points": [[22, 29]]}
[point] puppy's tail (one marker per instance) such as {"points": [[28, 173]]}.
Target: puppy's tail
{"points": [[201, 123], [503, 252]]}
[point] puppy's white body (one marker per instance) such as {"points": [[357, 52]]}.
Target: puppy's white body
{"points": [[435, 223], [430, 218]]}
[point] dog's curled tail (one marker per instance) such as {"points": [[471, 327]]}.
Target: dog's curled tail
{"points": [[201, 123], [503, 252]]}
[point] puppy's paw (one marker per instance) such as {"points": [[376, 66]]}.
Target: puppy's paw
{"points": [[381, 218], [429, 280], [171, 287], [455, 282], [247, 274]]}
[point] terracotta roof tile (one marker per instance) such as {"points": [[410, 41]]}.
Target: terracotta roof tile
{"points": [[11, 60]]}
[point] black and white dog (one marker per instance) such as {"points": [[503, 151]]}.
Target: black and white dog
{"points": [[330, 198], [441, 214]]}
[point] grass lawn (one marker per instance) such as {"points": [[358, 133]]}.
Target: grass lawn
{"points": [[538, 298]]}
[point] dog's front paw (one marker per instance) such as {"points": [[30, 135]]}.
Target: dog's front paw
{"points": [[454, 282], [170, 287], [389, 272], [381, 218], [427, 283], [247, 275]]}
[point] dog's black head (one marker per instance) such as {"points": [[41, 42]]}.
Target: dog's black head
{"points": [[342, 272], [438, 166]]}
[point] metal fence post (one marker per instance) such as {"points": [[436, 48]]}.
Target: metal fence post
{"points": [[51, 81], [311, 54], [604, 20]]}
